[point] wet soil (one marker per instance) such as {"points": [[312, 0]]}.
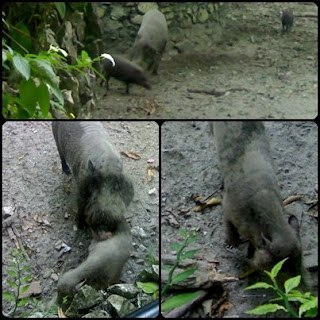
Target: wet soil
{"points": [[35, 187], [256, 70], [189, 166]]}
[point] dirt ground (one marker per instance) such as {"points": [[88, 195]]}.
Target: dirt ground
{"points": [[189, 166], [263, 72], [34, 186]]}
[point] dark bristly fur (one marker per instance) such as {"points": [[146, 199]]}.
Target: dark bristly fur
{"points": [[287, 19], [104, 193], [252, 202], [126, 71]]}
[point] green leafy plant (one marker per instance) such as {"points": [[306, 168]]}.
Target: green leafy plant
{"points": [[32, 83], [180, 299], [308, 303], [150, 287], [17, 280]]}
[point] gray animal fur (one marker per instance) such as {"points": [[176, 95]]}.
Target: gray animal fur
{"points": [[252, 202], [151, 41], [104, 193]]}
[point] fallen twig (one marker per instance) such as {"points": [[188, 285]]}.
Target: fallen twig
{"points": [[215, 92]]}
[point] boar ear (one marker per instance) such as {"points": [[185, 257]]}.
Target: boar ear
{"points": [[294, 223], [91, 166]]}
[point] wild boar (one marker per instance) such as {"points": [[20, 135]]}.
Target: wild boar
{"points": [[104, 193], [252, 202], [125, 71], [151, 41], [287, 19]]}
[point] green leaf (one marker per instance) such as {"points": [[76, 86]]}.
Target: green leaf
{"points": [[61, 8], [55, 90], [24, 269], [46, 66], [43, 99], [183, 275], [165, 267], [28, 95], [4, 56], [292, 283], [189, 254], [265, 308], [21, 34], [310, 305], [175, 246], [25, 288], [22, 65], [8, 296], [183, 233], [23, 302], [259, 285], [26, 278], [12, 284], [148, 287], [12, 273], [85, 57], [179, 300], [275, 270], [192, 239]]}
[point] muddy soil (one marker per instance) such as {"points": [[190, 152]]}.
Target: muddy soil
{"points": [[260, 71], [34, 185], [189, 166]]}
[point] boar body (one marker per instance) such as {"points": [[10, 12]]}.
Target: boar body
{"points": [[151, 40], [125, 71], [101, 269], [252, 201], [104, 193]]}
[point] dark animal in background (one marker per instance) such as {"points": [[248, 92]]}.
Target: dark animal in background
{"points": [[287, 19], [104, 193], [252, 202], [126, 71], [151, 41]]}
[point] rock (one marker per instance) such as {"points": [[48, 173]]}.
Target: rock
{"points": [[137, 19], [144, 7], [85, 298], [100, 12], [118, 12], [120, 305], [203, 15], [126, 290]]}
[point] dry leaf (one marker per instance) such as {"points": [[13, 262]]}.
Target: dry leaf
{"points": [[292, 199], [149, 173], [131, 155]]}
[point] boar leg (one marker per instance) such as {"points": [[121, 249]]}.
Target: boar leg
{"points": [[65, 167], [233, 237]]}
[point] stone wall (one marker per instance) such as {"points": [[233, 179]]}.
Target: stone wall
{"points": [[120, 21]]}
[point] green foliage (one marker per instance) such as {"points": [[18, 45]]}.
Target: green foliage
{"points": [[308, 303], [150, 258], [17, 280], [180, 299], [149, 288], [31, 83]]}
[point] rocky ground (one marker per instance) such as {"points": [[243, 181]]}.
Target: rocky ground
{"points": [[189, 166], [34, 187], [256, 71]]}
